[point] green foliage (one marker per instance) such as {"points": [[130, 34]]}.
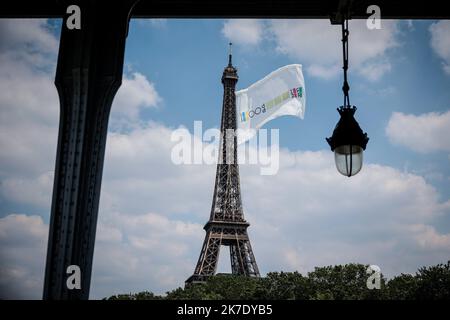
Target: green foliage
{"points": [[284, 286], [429, 283], [433, 283], [144, 295], [217, 288], [341, 282], [402, 287]]}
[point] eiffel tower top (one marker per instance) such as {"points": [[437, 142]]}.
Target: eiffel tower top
{"points": [[230, 72], [230, 55]]}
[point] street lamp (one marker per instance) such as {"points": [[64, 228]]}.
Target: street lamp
{"points": [[348, 140]]}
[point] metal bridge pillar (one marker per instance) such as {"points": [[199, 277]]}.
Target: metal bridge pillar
{"points": [[88, 75]]}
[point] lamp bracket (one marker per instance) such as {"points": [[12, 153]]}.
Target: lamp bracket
{"points": [[342, 12]]}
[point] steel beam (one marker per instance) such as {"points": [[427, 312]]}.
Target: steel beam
{"points": [[89, 73], [303, 9]]}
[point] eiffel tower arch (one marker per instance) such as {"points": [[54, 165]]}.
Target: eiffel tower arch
{"points": [[226, 225]]}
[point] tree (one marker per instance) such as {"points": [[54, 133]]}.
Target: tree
{"points": [[144, 295], [219, 287], [343, 282], [402, 287], [283, 286], [433, 283]]}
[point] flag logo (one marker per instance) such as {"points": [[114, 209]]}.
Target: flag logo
{"points": [[290, 94]]}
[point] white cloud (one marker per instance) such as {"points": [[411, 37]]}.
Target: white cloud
{"points": [[321, 221], [26, 170], [135, 94], [243, 31], [373, 72], [22, 116], [22, 250], [440, 42], [28, 125], [424, 133], [150, 147], [20, 33], [317, 45], [152, 252], [428, 238], [132, 252], [34, 191], [30, 40], [293, 258], [324, 72]]}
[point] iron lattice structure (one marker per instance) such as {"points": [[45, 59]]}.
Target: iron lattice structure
{"points": [[226, 225]]}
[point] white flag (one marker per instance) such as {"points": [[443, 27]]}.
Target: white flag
{"points": [[280, 93]]}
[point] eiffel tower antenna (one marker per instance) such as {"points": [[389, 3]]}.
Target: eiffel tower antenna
{"points": [[230, 53], [226, 225]]}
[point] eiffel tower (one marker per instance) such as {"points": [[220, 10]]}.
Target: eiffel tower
{"points": [[226, 225]]}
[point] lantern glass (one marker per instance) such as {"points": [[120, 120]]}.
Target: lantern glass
{"points": [[349, 159]]}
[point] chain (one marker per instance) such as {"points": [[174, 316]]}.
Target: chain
{"points": [[345, 34]]}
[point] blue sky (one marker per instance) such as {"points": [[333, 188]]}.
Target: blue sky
{"points": [[395, 213]]}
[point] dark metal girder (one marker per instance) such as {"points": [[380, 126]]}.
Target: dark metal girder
{"points": [[89, 72], [306, 9]]}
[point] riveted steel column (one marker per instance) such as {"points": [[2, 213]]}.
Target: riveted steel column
{"points": [[89, 73]]}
